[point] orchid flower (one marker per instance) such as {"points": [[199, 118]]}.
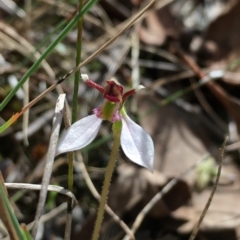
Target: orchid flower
{"points": [[136, 143]]}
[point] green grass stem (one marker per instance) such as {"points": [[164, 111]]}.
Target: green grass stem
{"points": [[12, 222], [78, 60]]}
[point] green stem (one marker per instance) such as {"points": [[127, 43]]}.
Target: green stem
{"points": [[75, 97], [74, 118], [78, 60], [117, 127], [70, 171], [47, 52]]}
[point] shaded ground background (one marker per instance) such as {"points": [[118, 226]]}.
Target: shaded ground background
{"points": [[171, 49]]}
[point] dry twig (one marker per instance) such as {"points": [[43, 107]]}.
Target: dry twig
{"points": [[196, 228], [53, 188]]}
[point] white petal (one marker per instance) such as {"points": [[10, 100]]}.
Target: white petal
{"points": [[137, 144], [80, 134]]}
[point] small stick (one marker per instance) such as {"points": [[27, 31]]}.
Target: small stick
{"points": [[197, 226]]}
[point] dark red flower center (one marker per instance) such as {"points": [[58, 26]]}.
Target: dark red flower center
{"points": [[113, 91]]}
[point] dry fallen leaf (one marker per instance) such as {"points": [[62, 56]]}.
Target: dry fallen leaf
{"points": [[133, 186], [181, 138], [159, 25]]}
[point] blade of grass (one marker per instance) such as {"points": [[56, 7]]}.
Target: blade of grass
{"points": [[78, 60], [60, 37], [67, 234], [26, 234], [7, 215]]}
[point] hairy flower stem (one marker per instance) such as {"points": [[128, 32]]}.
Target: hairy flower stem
{"points": [[117, 128]]}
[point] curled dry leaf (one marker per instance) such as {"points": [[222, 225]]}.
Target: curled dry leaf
{"points": [[155, 32], [159, 25]]}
